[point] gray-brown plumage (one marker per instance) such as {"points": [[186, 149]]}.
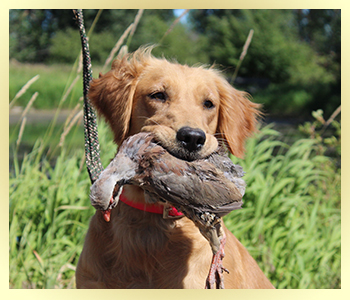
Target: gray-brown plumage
{"points": [[204, 190]]}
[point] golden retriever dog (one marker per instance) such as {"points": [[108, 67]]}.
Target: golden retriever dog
{"points": [[190, 110]]}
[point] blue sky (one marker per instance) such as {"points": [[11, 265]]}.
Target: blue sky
{"points": [[178, 12]]}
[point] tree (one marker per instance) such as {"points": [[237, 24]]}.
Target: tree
{"points": [[293, 63], [29, 34], [297, 74]]}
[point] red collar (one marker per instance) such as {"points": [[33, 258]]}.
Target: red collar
{"points": [[166, 210]]}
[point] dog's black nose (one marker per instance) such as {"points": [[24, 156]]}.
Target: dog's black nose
{"points": [[192, 139]]}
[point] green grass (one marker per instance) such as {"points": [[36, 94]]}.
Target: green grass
{"points": [[291, 217], [49, 216], [74, 141], [53, 83]]}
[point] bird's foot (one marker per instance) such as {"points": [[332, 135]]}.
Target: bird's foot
{"points": [[215, 277]]}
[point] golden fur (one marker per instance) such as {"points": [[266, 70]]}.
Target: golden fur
{"points": [[137, 249]]}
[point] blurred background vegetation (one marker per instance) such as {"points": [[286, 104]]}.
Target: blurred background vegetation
{"points": [[291, 217], [293, 66]]}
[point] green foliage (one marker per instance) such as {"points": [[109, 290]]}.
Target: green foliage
{"points": [[323, 28], [27, 35], [49, 215], [326, 144], [101, 45], [179, 44], [65, 46], [293, 66], [49, 208], [276, 51], [290, 221], [298, 76], [47, 221]]}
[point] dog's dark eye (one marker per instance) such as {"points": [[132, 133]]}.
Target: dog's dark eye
{"points": [[160, 96], [208, 104]]}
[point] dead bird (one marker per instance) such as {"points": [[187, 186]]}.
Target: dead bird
{"points": [[203, 190]]}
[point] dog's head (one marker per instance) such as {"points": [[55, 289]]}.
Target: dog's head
{"points": [[189, 109]]}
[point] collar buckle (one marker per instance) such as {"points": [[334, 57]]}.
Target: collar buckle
{"points": [[170, 212]]}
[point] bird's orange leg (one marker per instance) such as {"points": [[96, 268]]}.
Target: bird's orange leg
{"points": [[215, 277], [107, 213]]}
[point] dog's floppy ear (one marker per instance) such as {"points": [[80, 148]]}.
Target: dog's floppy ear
{"points": [[112, 94], [237, 117]]}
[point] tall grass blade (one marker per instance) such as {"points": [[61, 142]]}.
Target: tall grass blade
{"points": [[29, 105], [92, 28], [133, 29], [23, 90], [78, 116], [21, 130], [243, 54], [117, 47], [170, 29]]}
